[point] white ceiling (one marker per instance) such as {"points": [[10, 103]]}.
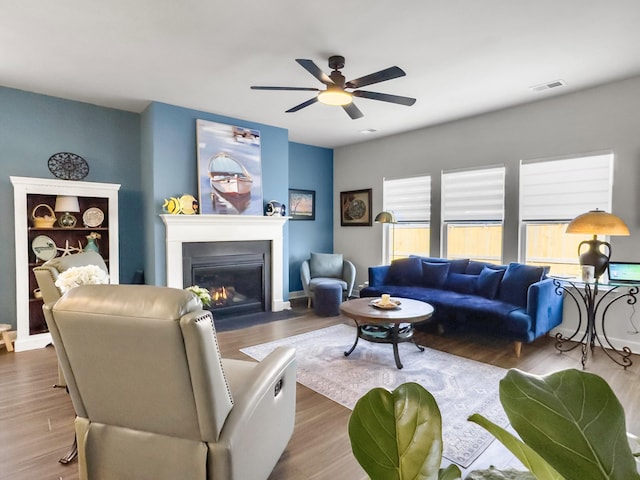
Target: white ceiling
{"points": [[462, 57]]}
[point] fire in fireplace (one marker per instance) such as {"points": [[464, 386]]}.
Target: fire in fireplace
{"points": [[226, 296], [235, 273]]}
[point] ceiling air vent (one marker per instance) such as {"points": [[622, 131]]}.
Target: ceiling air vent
{"points": [[548, 86]]}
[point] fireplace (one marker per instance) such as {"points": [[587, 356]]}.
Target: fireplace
{"points": [[237, 275], [239, 229]]}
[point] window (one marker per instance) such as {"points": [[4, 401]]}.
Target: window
{"points": [[472, 214], [552, 193], [410, 201]]}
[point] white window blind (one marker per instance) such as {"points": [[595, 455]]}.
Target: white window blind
{"points": [[564, 189], [408, 198], [473, 195]]}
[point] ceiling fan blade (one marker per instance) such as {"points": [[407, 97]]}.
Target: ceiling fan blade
{"points": [[353, 111], [314, 70], [385, 97], [311, 101], [306, 89], [377, 77]]}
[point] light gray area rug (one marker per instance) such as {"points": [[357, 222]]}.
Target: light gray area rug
{"points": [[460, 386]]}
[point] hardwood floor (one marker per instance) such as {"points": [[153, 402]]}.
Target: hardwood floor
{"points": [[36, 420]]}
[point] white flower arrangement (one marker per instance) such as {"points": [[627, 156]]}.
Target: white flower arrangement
{"points": [[76, 276], [202, 294]]}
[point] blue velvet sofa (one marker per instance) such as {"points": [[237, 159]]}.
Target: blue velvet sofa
{"points": [[514, 301]]}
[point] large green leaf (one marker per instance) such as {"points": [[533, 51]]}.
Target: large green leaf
{"points": [[573, 420], [452, 472], [398, 435], [529, 458]]}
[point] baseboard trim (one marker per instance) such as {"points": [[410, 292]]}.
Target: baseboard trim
{"points": [[298, 294], [32, 342]]}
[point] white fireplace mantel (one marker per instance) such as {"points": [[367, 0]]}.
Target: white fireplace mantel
{"points": [[226, 228]]}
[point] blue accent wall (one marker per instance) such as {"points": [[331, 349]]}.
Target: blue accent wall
{"points": [[32, 128], [310, 168], [152, 156], [169, 159]]}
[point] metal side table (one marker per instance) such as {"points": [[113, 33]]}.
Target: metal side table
{"points": [[593, 300]]}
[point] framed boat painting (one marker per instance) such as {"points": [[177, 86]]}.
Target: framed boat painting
{"points": [[355, 208], [302, 204], [229, 169]]}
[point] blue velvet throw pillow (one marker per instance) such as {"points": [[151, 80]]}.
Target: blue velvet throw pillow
{"points": [[458, 266], [516, 281], [434, 274], [474, 267], [461, 282], [405, 271], [455, 266], [489, 282]]}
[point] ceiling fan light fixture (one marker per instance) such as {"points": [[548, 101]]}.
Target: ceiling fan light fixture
{"points": [[335, 96]]}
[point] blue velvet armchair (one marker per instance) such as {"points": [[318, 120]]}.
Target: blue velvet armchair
{"points": [[327, 267]]}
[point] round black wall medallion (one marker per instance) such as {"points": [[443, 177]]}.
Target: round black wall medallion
{"points": [[68, 166]]}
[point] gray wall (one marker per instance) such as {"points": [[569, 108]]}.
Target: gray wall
{"points": [[598, 119]]}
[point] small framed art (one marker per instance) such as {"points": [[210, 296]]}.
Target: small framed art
{"points": [[302, 204], [355, 208]]}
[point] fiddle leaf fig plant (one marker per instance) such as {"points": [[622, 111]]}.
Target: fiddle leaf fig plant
{"points": [[398, 435], [570, 420], [537, 465]]}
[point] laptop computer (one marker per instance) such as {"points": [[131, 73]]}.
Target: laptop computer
{"points": [[624, 272]]}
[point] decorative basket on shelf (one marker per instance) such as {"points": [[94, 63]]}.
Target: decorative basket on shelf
{"points": [[46, 221]]}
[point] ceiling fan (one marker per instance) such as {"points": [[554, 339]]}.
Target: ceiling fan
{"points": [[336, 87]]}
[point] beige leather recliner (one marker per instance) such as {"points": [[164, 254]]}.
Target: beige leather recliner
{"points": [[47, 274], [154, 398]]}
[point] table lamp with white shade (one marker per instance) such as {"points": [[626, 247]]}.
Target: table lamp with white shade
{"points": [[67, 204]]}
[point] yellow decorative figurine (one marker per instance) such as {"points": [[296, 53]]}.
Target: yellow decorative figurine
{"points": [[172, 205], [186, 204], [189, 204]]}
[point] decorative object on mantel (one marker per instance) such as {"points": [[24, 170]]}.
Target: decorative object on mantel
{"points": [[172, 205], [67, 204], [597, 222], [45, 221], [190, 205], [186, 205], [229, 169], [91, 242], [273, 208], [68, 166]]}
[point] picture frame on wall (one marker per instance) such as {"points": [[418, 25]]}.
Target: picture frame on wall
{"points": [[302, 204], [229, 169], [355, 208]]}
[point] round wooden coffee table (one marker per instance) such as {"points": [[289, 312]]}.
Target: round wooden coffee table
{"points": [[384, 325]]}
